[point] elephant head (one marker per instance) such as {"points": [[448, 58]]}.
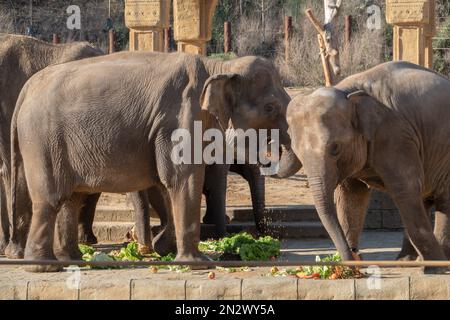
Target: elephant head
{"points": [[331, 131], [249, 95]]}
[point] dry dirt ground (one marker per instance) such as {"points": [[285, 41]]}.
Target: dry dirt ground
{"points": [[291, 191]]}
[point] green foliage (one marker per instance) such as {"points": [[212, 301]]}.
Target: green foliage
{"points": [[442, 51], [263, 249], [86, 249], [129, 253], [324, 271], [223, 56], [244, 246]]}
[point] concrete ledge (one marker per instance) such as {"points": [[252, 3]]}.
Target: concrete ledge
{"points": [[13, 291], [430, 287], [51, 290], [141, 284], [158, 289], [266, 288], [377, 288], [214, 289], [108, 290], [326, 289]]}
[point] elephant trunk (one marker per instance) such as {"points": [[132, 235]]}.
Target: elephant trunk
{"points": [[289, 164], [257, 189], [322, 187]]}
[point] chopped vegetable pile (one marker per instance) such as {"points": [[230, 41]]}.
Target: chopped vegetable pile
{"points": [[241, 246], [244, 247], [320, 272]]}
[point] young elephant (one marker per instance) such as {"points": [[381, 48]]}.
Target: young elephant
{"points": [[108, 128], [20, 58], [381, 128]]}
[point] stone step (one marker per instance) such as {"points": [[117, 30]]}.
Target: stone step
{"points": [[117, 231], [295, 213], [241, 214]]}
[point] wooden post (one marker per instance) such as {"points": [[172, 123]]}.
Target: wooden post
{"points": [[227, 37], [287, 36], [324, 56], [324, 59], [167, 39], [56, 39], [348, 29], [111, 37]]}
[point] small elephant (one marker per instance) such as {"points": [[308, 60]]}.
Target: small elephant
{"points": [[108, 128], [20, 58], [383, 129]]}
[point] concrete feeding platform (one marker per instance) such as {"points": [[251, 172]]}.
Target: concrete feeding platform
{"points": [[137, 284]]}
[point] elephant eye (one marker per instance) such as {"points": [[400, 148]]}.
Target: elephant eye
{"points": [[269, 108], [334, 149]]}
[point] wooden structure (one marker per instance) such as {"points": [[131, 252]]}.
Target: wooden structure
{"points": [[414, 28], [147, 20], [193, 24]]}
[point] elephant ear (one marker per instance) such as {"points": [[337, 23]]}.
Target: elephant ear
{"points": [[368, 114], [219, 97]]}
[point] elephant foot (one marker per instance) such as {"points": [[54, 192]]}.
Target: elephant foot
{"points": [[435, 270], [407, 257], [72, 255], [164, 243], [3, 245], [195, 257], [14, 251], [87, 238], [44, 268]]}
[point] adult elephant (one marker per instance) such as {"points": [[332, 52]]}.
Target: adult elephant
{"points": [[20, 58], [108, 128], [381, 128]]}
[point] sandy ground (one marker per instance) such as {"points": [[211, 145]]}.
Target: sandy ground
{"points": [[292, 191]]}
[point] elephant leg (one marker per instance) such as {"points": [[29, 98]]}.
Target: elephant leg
{"points": [[21, 220], [186, 202], [4, 221], [408, 252], [416, 221], [40, 240], [164, 242], [352, 199], [66, 232], [86, 220], [256, 182], [442, 223], [214, 188], [142, 220]]}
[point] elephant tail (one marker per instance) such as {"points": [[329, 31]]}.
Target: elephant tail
{"points": [[15, 155]]}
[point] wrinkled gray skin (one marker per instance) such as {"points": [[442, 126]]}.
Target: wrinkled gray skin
{"points": [[108, 127], [20, 58], [389, 136], [214, 189]]}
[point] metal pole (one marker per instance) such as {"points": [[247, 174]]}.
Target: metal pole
{"points": [[229, 264]]}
